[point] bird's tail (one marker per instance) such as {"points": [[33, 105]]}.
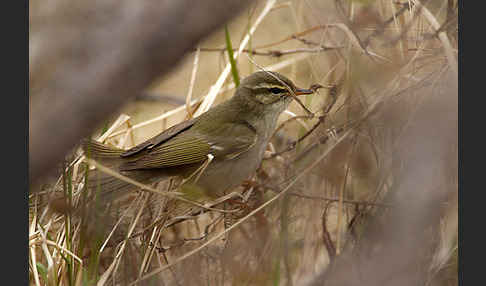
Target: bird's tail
{"points": [[101, 152], [105, 192], [104, 185]]}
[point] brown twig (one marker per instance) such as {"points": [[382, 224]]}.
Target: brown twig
{"points": [[292, 145], [326, 199], [326, 237], [349, 25], [320, 141], [291, 119], [276, 53], [307, 42], [381, 28], [341, 198], [295, 36], [345, 201]]}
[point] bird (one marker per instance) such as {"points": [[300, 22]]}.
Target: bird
{"points": [[215, 152]]}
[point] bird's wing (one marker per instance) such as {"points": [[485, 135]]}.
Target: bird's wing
{"points": [[160, 138], [227, 142]]}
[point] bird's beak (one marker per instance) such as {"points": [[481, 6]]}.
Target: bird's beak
{"points": [[302, 91]]}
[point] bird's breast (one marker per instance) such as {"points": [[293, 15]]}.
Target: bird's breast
{"points": [[221, 175]]}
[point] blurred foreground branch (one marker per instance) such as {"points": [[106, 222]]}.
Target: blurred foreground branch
{"points": [[396, 243], [88, 58]]}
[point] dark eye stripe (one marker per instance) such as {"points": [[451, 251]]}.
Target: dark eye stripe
{"points": [[276, 90]]}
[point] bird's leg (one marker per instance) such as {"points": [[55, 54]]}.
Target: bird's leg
{"points": [[228, 218]]}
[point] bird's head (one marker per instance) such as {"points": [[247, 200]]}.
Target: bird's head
{"points": [[270, 89]]}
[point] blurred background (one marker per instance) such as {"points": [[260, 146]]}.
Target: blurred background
{"points": [[367, 188]]}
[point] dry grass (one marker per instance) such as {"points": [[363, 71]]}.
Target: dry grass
{"points": [[381, 63]]}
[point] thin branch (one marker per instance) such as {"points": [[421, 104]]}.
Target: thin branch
{"points": [[293, 145], [345, 201], [297, 35], [341, 198], [327, 199], [277, 53], [326, 237], [381, 28]]}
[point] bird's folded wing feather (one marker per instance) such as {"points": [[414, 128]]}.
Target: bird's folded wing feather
{"points": [[225, 142], [160, 138]]}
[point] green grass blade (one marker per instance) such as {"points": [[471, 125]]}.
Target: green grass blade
{"points": [[42, 270], [229, 48], [105, 127]]}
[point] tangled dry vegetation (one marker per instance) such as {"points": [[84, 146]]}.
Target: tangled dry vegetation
{"points": [[362, 191]]}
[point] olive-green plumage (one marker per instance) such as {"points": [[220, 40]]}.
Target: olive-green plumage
{"points": [[234, 134]]}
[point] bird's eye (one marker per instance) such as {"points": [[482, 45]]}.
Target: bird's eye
{"points": [[276, 90]]}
